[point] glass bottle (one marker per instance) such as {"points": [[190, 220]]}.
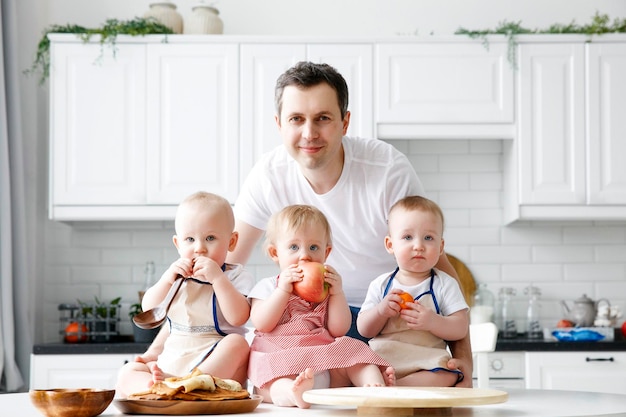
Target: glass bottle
{"points": [[508, 327], [483, 306], [148, 273], [533, 325]]}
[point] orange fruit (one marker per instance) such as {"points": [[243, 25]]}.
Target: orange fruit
{"points": [[75, 332], [406, 298]]}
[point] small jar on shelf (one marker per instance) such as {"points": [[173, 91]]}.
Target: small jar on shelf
{"points": [[508, 326], [533, 313], [483, 305]]}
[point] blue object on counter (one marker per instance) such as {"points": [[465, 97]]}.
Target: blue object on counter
{"points": [[577, 335]]}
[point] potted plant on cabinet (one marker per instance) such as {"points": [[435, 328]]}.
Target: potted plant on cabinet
{"points": [[101, 318]]}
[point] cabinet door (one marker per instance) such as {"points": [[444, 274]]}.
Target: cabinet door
{"points": [[606, 132], [577, 371], [97, 125], [551, 124], [192, 121], [261, 65], [461, 88], [76, 371]]}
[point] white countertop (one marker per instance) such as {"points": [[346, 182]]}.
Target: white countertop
{"points": [[535, 403]]}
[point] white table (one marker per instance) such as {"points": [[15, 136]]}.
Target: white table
{"points": [[544, 403]]}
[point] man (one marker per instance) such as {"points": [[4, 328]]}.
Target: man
{"points": [[353, 181]]}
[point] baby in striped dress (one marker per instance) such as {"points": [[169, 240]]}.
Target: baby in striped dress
{"points": [[300, 345]]}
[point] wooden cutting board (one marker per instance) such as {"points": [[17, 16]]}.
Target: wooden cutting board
{"points": [[466, 279], [405, 401]]}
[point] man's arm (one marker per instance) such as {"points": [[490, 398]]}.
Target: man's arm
{"points": [[248, 238], [444, 265], [462, 360], [461, 349]]}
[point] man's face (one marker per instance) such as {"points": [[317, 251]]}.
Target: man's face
{"points": [[311, 126]]}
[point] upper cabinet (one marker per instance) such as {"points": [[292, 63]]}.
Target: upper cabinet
{"points": [[192, 109], [135, 131], [565, 163], [444, 89]]}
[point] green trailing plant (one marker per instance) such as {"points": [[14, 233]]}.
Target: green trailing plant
{"points": [[108, 33], [600, 24]]}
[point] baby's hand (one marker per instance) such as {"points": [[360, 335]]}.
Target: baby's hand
{"points": [[206, 269], [332, 277], [418, 317], [182, 267], [293, 273], [390, 305]]}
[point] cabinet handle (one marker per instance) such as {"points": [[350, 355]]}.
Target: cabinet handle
{"points": [[588, 359]]}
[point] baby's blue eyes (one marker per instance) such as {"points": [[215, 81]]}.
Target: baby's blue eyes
{"points": [[208, 239], [295, 247], [409, 238]]}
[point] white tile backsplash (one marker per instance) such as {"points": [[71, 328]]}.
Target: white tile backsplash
{"points": [[564, 260]]}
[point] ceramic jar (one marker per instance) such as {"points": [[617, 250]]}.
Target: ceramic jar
{"points": [[165, 12], [204, 19]]}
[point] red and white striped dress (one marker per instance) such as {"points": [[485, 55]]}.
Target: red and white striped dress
{"points": [[301, 340]]}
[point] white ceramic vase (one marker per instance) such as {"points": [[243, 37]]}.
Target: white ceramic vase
{"points": [[165, 12], [204, 19]]}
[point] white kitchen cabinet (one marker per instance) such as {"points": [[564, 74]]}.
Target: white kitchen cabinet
{"points": [[566, 161], [606, 124], [76, 371], [577, 371], [135, 131], [97, 126], [444, 89], [263, 63], [192, 113]]}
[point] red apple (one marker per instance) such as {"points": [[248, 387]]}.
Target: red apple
{"points": [[312, 288], [624, 329]]}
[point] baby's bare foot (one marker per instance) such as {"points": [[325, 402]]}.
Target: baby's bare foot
{"points": [[157, 373], [389, 376], [302, 383]]}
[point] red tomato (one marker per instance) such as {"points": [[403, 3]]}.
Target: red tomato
{"points": [[406, 298], [564, 323], [624, 329], [74, 333]]}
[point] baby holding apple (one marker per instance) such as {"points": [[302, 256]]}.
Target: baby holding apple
{"points": [[205, 322], [301, 317], [411, 332]]}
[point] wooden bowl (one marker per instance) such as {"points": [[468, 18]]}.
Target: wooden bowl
{"points": [[78, 402]]}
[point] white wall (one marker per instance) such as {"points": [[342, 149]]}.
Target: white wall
{"points": [[352, 17], [465, 177]]}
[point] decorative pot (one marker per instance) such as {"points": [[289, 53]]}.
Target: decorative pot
{"points": [[144, 335], [165, 12], [204, 20]]}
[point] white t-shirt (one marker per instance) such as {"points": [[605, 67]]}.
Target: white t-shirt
{"points": [[446, 290], [375, 175]]}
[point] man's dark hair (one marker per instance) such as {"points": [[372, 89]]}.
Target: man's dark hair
{"points": [[309, 74]]}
